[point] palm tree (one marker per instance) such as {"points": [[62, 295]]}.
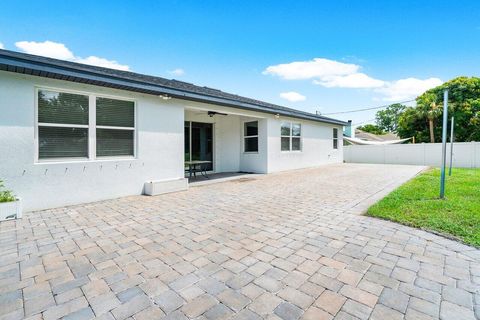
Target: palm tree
{"points": [[430, 109]]}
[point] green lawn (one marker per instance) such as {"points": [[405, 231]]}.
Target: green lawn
{"points": [[416, 203]]}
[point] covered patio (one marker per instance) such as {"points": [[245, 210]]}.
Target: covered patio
{"points": [[220, 177], [223, 141]]}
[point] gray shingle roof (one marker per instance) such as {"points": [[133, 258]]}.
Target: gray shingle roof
{"points": [[70, 71]]}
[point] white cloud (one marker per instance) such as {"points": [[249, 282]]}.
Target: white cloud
{"points": [[60, 51], [102, 62], [354, 80], [317, 68], [408, 88], [177, 72], [325, 72], [334, 74], [292, 96], [1, 46], [47, 49]]}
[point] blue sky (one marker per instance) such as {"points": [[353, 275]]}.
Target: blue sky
{"points": [[328, 56]]}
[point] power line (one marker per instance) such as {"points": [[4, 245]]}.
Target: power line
{"points": [[365, 109], [366, 121]]}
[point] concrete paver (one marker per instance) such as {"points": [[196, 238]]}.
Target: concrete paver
{"points": [[282, 246]]}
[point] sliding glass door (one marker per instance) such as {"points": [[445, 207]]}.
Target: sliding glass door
{"points": [[199, 142]]}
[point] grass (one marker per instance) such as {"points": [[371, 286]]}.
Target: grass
{"points": [[417, 204]]}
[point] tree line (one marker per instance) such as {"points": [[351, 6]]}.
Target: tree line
{"points": [[424, 120]]}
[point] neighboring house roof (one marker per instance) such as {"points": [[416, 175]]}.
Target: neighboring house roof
{"points": [[360, 134], [360, 142], [76, 72]]}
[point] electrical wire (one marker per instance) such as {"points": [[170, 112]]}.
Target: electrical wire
{"points": [[363, 122], [365, 109]]}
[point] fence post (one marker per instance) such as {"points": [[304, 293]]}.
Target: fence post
{"points": [[474, 155], [444, 143], [451, 147], [424, 152]]}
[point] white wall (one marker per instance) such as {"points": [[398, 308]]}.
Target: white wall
{"points": [[256, 162], [46, 185], [465, 154], [317, 146], [160, 146]]}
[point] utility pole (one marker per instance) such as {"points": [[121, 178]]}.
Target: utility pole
{"points": [[444, 143], [451, 146]]}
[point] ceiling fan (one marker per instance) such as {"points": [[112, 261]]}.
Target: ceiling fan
{"points": [[212, 113]]}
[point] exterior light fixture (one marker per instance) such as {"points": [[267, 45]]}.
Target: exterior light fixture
{"points": [[164, 96], [277, 116]]}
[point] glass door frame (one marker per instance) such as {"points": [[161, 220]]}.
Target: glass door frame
{"points": [[190, 142]]}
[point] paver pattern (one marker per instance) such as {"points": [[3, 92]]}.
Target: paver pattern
{"points": [[282, 246]]}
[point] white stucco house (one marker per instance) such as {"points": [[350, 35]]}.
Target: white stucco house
{"points": [[73, 133]]}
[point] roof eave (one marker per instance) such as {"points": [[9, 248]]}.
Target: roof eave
{"points": [[35, 68]]}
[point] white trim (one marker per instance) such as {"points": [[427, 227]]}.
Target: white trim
{"points": [[254, 136], [84, 160], [36, 145], [62, 160], [214, 148], [135, 126], [291, 137], [58, 125], [214, 160], [115, 97], [189, 141], [92, 121], [334, 139], [114, 158], [115, 128], [62, 125], [92, 128], [85, 93]]}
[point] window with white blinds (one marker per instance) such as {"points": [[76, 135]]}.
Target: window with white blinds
{"points": [[115, 127], [62, 125], [76, 126]]}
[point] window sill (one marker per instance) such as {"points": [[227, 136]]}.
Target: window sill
{"points": [[250, 152], [83, 160]]}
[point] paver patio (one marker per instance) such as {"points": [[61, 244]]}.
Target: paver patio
{"points": [[281, 246]]}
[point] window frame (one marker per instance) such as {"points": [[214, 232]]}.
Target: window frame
{"points": [[91, 126], [254, 136], [291, 136], [334, 139], [214, 161], [134, 128]]}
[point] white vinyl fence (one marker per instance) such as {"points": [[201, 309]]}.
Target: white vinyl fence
{"points": [[465, 154]]}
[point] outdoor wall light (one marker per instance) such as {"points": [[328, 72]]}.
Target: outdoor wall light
{"points": [[164, 97], [277, 116]]}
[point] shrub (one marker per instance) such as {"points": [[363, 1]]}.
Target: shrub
{"points": [[5, 195]]}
